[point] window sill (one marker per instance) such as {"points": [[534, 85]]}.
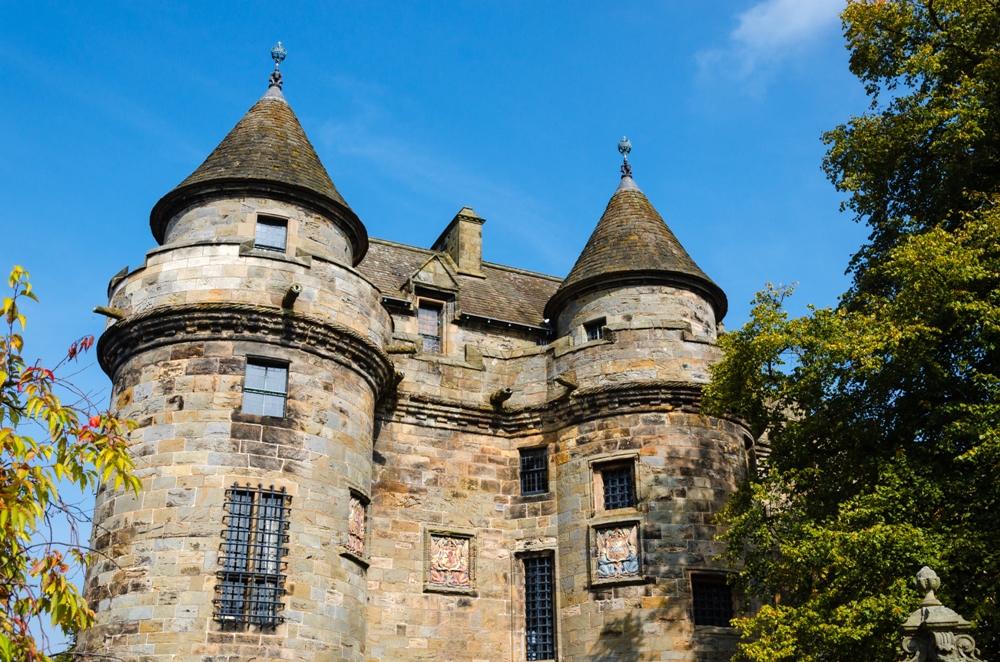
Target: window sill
{"points": [[716, 630], [247, 250], [347, 554], [273, 421], [532, 498], [601, 516]]}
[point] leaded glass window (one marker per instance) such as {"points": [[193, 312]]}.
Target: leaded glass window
{"points": [[251, 580], [619, 486], [595, 329], [534, 471], [265, 389], [712, 601], [539, 610], [271, 234], [429, 326]]}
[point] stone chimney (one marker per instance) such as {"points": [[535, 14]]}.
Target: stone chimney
{"points": [[463, 241]]}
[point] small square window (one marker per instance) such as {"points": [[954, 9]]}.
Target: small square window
{"points": [[265, 389], [594, 330], [615, 486], [271, 234], [429, 326], [711, 601], [534, 471]]}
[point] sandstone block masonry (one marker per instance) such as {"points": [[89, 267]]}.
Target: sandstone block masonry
{"points": [[353, 449]]}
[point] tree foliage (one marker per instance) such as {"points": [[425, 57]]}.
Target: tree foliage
{"points": [[883, 414], [46, 446]]}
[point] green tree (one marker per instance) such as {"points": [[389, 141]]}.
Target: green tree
{"points": [[46, 445], [883, 414]]}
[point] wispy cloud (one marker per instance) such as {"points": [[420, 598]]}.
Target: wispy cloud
{"points": [[429, 173], [770, 31]]}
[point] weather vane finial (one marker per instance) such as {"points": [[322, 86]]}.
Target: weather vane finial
{"points": [[277, 54], [624, 147]]}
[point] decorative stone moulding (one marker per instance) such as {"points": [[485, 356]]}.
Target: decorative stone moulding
{"points": [[617, 553], [450, 561], [211, 321], [586, 404], [935, 633]]}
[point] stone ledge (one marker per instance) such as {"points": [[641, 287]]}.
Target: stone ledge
{"points": [[586, 404], [203, 322]]}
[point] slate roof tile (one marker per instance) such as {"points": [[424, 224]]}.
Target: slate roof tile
{"points": [[632, 241], [506, 293], [268, 144]]}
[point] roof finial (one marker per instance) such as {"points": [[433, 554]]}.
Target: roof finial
{"points": [[277, 54], [624, 147]]}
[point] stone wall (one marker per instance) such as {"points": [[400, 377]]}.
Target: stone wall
{"points": [[438, 461]]}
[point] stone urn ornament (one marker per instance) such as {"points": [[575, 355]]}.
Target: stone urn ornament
{"points": [[935, 633]]}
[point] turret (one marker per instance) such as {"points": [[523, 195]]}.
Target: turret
{"points": [[251, 354], [634, 271], [641, 471]]}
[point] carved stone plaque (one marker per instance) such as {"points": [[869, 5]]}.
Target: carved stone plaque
{"points": [[356, 528], [618, 552], [449, 562]]}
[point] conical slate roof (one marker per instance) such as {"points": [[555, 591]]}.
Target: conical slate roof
{"points": [[267, 153], [632, 245]]}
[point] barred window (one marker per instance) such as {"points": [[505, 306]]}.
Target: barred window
{"points": [[271, 234], [540, 637], [595, 329], [429, 326], [712, 601], [265, 389], [619, 486], [534, 471], [251, 580]]}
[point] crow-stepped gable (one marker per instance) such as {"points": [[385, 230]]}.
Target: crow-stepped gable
{"points": [[366, 451]]}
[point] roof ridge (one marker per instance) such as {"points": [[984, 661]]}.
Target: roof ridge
{"points": [[518, 270], [492, 265]]}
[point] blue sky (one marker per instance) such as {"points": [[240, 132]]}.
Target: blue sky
{"points": [[418, 109]]}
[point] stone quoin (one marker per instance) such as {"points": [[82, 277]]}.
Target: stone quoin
{"points": [[354, 449]]}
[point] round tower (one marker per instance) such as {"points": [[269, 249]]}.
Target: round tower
{"points": [[251, 353], [641, 472]]}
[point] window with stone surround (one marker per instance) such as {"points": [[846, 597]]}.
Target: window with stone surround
{"points": [[614, 485], [251, 581], [711, 600], [265, 388], [534, 471], [271, 234], [539, 608], [594, 330], [429, 315]]}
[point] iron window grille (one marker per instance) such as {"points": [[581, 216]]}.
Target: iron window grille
{"points": [[534, 471], [429, 326], [271, 234], [539, 622], [619, 487], [712, 602], [265, 389], [251, 581], [595, 329]]}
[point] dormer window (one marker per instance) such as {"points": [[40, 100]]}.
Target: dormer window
{"points": [[429, 326], [594, 330], [271, 234]]}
